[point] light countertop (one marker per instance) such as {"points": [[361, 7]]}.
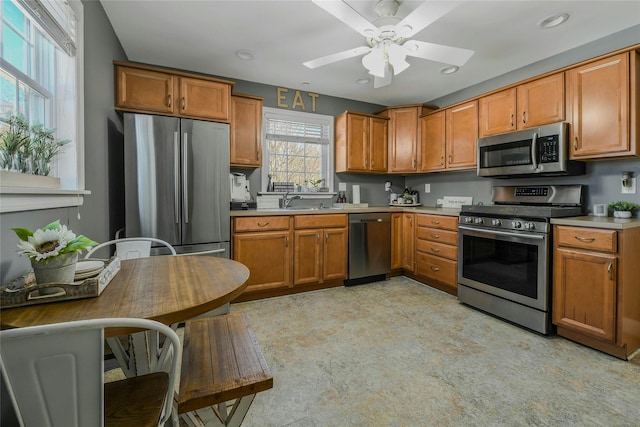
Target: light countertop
{"points": [[598, 222], [325, 211]]}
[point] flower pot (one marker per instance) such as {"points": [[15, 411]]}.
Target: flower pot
{"points": [[60, 269], [622, 214]]}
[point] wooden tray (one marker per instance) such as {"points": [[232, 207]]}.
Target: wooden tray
{"points": [[24, 290]]}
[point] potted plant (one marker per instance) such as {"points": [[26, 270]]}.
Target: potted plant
{"points": [[53, 251], [623, 209]]}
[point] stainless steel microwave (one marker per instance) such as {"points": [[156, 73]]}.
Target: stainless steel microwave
{"points": [[540, 151]]}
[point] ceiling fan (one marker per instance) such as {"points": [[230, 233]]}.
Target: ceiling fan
{"points": [[389, 42]]}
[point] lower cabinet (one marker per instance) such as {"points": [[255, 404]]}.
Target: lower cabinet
{"points": [[396, 241], [264, 245], [596, 287], [321, 248], [436, 245], [408, 241]]}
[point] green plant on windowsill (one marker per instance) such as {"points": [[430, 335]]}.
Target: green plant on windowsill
{"points": [[623, 206]]}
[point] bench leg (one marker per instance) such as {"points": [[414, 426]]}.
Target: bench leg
{"points": [[217, 415]]}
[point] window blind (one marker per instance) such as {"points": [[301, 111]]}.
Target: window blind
{"points": [[56, 18]]}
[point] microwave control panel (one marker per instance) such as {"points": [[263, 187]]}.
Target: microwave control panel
{"points": [[548, 149]]}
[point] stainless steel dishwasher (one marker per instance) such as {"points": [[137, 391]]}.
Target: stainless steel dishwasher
{"points": [[369, 247]]}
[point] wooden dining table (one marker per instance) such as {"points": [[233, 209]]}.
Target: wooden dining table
{"points": [[168, 289]]}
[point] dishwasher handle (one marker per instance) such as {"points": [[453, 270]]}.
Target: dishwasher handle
{"points": [[363, 221]]}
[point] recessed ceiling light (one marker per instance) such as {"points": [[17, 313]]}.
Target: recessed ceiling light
{"points": [[553, 21], [244, 54], [449, 70], [305, 83], [363, 81]]}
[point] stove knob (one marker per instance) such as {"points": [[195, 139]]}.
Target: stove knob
{"points": [[529, 226], [478, 221], [468, 220], [516, 224], [495, 222]]}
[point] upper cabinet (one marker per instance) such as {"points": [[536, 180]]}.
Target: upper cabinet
{"points": [[149, 89], [531, 104], [246, 131], [602, 107], [404, 136], [361, 143], [449, 138]]}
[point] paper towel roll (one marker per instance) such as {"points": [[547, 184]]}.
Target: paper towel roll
{"points": [[356, 193]]}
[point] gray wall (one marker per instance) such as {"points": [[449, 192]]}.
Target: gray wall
{"points": [[102, 140]]}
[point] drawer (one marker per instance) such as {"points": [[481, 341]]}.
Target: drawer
{"points": [[438, 221], [320, 221], [260, 223], [437, 235], [587, 238], [440, 269], [438, 249]]}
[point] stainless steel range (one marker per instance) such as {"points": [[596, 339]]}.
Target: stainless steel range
{"points": [[504, 251]]}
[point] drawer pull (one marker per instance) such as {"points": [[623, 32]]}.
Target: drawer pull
{"points": [[435, 236], [435, 249], [435, 269], [433, 221], [585, 239], [263, 224]]}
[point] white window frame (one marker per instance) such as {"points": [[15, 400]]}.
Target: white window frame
{"points": [[34, 196], [299, 116]]}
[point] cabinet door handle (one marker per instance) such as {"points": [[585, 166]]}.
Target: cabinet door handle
{"points": [[414, 162], [435, 249], [450, 158], [184, 103], [524, 117], [585, 239], [442, 161], [263, 224], [286, 241], [410, 220], [435, 269], [317, 238], [511, 120], [257, 154], [575, 143], [326, 237], [169, 101], [610, 271]]}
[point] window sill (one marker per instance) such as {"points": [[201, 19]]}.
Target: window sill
{"points": [[19, 199]]}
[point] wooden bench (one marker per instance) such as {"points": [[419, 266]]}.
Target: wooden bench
{"points": [[221, 362]]}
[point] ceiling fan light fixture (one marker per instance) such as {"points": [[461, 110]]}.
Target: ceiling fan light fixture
{"points": [[449, 70], [397, 58], [374, 61], [244, 54], [553, 21]]}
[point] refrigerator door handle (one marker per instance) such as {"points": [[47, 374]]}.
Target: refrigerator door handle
{"points": [[185, 178], [176, 177]]}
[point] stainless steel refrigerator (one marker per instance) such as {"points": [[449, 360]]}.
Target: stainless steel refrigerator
{"points": [[177, 182]]}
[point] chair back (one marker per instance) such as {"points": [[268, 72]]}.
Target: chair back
{"points": [[54, 373], [132, 247]]}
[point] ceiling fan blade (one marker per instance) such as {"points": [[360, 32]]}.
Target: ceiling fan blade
{"points": [[349, 16], [384, 80], [437, 52], [335, 57], [424, 15]]}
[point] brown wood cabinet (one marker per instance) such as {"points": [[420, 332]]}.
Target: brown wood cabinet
{"points": [[264, 244], [246, 131], [602, 107], [596, 287], [531, 104], [396, 240], [404, 136], [361, 143], [449, 138], [437, 250], [408, 241], [321, 248], [149, 89]]}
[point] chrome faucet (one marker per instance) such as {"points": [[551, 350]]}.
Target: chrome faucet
{"points": [[286, 200]]}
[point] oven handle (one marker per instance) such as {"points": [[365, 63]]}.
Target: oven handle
{"points": [[504, 233]]}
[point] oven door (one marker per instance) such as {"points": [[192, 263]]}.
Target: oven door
{"points": [[510, 265]]}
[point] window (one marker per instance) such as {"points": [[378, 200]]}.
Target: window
{"points": [[298, 151], [41, 74]]}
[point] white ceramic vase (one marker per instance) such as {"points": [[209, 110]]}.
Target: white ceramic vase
{"points": [[622, 214], [60, 269]]}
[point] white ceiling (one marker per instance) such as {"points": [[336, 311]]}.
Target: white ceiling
{"points": [[203, 36]]}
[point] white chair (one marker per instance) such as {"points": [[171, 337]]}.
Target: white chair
{"points": [[54, 376], [132, 247]]}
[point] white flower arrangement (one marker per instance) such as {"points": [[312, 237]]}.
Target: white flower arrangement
{"points": [[50, 241]]}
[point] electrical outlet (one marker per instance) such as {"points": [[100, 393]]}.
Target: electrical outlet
{"points": [[427, 188], [630, 189]]}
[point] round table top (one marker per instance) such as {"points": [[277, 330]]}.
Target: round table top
{"points": [[168, 289]]}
